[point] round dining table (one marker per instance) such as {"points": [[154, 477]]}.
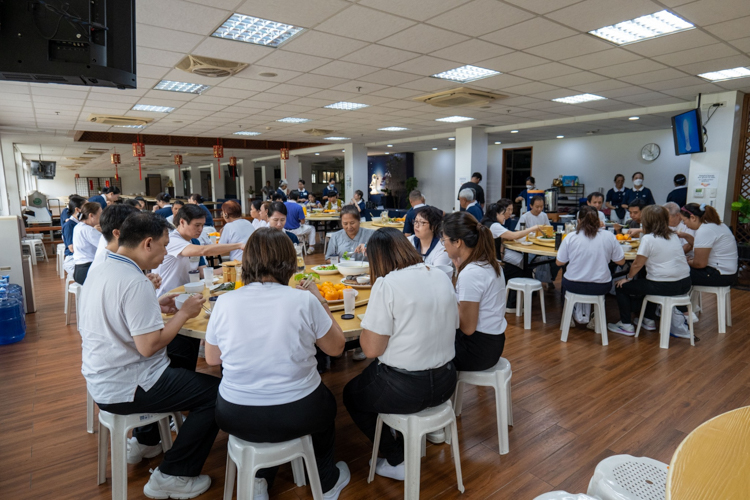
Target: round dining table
{"points": [[196, 327], [713, 461], [544, 251]]}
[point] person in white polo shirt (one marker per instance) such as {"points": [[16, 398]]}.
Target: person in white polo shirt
{"points": [[546, 273], [679, 227], [86, 237], [715, 262], [125, 362], [236, 229], [596, 200]]}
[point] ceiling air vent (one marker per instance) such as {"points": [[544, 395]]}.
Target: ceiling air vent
{"points": [[462, 96], [319, 132], [118, 120], [208, 66]]}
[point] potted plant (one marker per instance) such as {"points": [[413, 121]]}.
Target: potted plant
{"points": [[411, 185], [742, 231]]}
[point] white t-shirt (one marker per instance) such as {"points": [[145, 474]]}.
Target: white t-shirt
{"points": [[510, 256], [438, 256], [718, 238], [588, 258], [682, 228], [602, 217], [416, 307], [531, 220], [666, 260], [85, 242], [175, 267], [237, 231], [269, 360], [117, 304], [170, 219], [257, 223], [479, 283], [101, 253]]}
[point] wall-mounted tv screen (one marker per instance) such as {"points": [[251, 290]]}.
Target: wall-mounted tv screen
{"points": [[687, 130], [43, 169]]}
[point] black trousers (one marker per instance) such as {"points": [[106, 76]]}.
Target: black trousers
{"points": [[709, 276], [315, 414], [585, 287], [478, 351], [510, 271], [630, 296], [384, 389], [180, 390], [80, 272]]}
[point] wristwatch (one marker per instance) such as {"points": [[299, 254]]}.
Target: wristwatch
{"points": [[324, 302]]}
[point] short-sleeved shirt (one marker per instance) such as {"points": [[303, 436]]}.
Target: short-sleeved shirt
{"points": [[437, 256], [165, 211], [421, 325], [257, 223], [67, 234], [678, 195], [475, 210], [665, 259], [101, 253], [478, 191], [588, 258], [85, 242], [340, 242], [328, 190], [100, 200], [616, 198], [117, 304], [237, 231], [720, 240], [274, 363], [531, 220], [682, 228], [510, 256], [209, 217], [478, 282], [640, 194], [303, 194], [294, 214], [409, 218], [175, 267]]}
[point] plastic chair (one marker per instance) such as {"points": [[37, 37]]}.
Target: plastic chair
{"points": [[667, 303], [600, 324], [244, 459], [68, 280], [75, 289], [60, 251], [30, 247], [624, 477], [414, 428], [118, 426], [90, 408], [723, 303], [35, 244], [563, 495], [498, 377], [325, 243], [524, 287]]}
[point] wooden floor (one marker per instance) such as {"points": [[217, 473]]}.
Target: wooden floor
{"points": [[574, 404]]}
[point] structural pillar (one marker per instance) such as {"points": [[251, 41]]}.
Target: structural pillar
{"points": [[291, 170], [179, 191], [355, 170], [195, 180], [471, 155], [245, 178]]}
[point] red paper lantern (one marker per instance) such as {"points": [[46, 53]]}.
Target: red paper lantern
{"points": [[178, 162], [114, 158], [284, 153], [139, 151], [218, 153], [232, 161], [78, 176], [106, 183]]}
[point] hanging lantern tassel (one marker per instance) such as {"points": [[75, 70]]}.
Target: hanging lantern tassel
{"points": [[115, 160], [139, 151], [178, 162], [233, 166], [218, 154]]}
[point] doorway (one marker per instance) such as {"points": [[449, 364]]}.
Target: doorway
{"points": [[516, 168], [186, 182], [206, 187]]}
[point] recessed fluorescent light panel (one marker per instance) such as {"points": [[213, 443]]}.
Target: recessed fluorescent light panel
{"points": [[561, 137], [153, 109], [514, 131], [393, 129], [246, 132], [634, 118], [451, 138], [333, 138], [255, 30], [498, 142], [578, 99], [434, 149], [454, 119], [128, 126], [189, 88], [643, 28], [466, 74], [726, 74], [390, 145], [346, 106], [293, 120]]}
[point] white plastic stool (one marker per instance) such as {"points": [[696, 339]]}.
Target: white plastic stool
{"points": [[563, 495], [251, 457], [60, 250], [600, 324], [75, 289], [498, 377], [90, 408], [667, 303], [723, 303], [68, 280], [35, 244], [414, 427], [118, 427], [624, 477], [524, 287], [30, 247]]}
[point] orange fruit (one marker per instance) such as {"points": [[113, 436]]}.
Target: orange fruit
{"points": [[331, 296]]}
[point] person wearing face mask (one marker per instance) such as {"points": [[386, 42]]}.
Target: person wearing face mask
{"points": [[639, 192], [615, 200], [530, 184], [330, 189]]}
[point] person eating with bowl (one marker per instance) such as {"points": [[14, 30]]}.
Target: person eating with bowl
{"points": [[426, 237], [351, 238], [334, 203]]}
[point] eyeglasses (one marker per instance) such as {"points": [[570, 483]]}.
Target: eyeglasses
{"points": [[420, 223]]}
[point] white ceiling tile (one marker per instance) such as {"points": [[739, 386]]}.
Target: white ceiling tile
{"points": [[419, 10], [471, 51], [542, 6], [166, 39], [61, 100], [480, 17], [291, 61], [546, 71], [227, 92], [694, 90], [630, 68], [335, 96], [685, 81], [707, 12], [426, 66], [706, 53], [65, 91], [207, 99], [428, 84], [593, 14], [569, 47], [306, 14], [232, 50], [396, 93], [378, 55], [672, 43], [344, 70], [190, 17], [282, 75], [365, 24], [730, 30], [599, 87], [156, 57], [311, 102], [246, 84], [743, 44], [653, 76], [373, 101], [742, 84], [147, 71], [715, 65], [601, 59], [531, 88], [423, 39], [292, 90], [315, 43], [576, 79], [529, 33], [511, 62], [390, 77], [360, 87], [319, 81]]}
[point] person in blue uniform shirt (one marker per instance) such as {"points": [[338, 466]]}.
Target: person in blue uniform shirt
{"points": [[65, 214], [109, 195], [277, 219], [301, 190], [639, 192], [282, 191], [468, 203], [163, 207], [74, 209], [416, 199], [358, 201], [615, 200], [530, 184], [196, 199], [679, 193], [330, 189], [476, 178]]}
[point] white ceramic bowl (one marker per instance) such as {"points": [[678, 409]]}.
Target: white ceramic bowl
{"points": [[196, 287], [180, 299], [363, 280], [353, 268]]}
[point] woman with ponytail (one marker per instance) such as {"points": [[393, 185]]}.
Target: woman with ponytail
{"points": [[480, 289], [714, 246]]}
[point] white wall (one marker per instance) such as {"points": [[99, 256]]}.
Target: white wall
{"points": [[64, 182], [435, 172]]}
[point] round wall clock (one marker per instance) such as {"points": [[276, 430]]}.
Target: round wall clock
{"points": [[650, 152]]}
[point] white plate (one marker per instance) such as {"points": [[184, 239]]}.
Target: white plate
{"points": [[527, 243], [323, 272], [341, 301], [357, 286]]}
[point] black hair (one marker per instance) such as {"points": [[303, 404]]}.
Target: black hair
{"points": [[75, 202], [178, 202], [140, 198], [113, 217], [294, 195], [433, 216], [132, 202], [529, 178], [588, 221], [636, 173], [196, 198], [111, 190], [360, 193], [189, 213], [302, 181], [277, 206], [257, 204], [477, 237], [706, 214], [680, 179], [638, 203], [165, 197], [619, 175], [478, 175], [536, 198], [276, 196], [139, 226], [595, 194]]}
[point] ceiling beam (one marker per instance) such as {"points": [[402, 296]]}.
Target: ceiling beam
{"points": [[184, 141]]}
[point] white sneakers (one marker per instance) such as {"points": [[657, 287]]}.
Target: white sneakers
{"points": [[358, 355], [648, 324], [162, 486], [138, 451], [383, 468], [623, 329], [261, 489], [436, 437], [344, 477]]}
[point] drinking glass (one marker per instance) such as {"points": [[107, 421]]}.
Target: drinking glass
{"points": [[300, 258], [349, 299], [334, 260]]}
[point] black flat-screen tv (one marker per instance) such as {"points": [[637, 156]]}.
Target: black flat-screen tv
{"points": [[44, 169], [71, 42], [687, 131]]}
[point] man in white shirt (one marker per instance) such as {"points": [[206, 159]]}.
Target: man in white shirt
{"points": [[125, 360], [546, 273], [679, 227], [596, 200]]}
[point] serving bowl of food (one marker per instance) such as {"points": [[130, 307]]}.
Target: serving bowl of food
{"points": [[353, 268]]}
